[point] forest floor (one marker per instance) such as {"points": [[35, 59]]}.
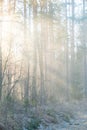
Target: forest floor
{"points": [[70, 116], [61, 116]]}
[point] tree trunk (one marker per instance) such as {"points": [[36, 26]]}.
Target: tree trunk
{"points": [[1, 5]]}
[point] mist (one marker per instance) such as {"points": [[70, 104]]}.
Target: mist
{"points": [[43, 64]]}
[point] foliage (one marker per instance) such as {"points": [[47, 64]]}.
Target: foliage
{"points": [[26, 103], [67, 116], [33, 124]]}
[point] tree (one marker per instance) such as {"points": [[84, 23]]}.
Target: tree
{"points": [[1, 11]]}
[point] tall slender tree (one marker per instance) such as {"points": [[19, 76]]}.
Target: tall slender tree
{"points": [[1, 11], [85, 47]]}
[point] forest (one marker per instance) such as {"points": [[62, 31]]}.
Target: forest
{"points": [[43, 65]]}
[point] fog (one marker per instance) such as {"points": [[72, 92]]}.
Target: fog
{"points": [[43, 54]]}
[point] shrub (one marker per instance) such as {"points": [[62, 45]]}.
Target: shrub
{"points": [[33, 124]]}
